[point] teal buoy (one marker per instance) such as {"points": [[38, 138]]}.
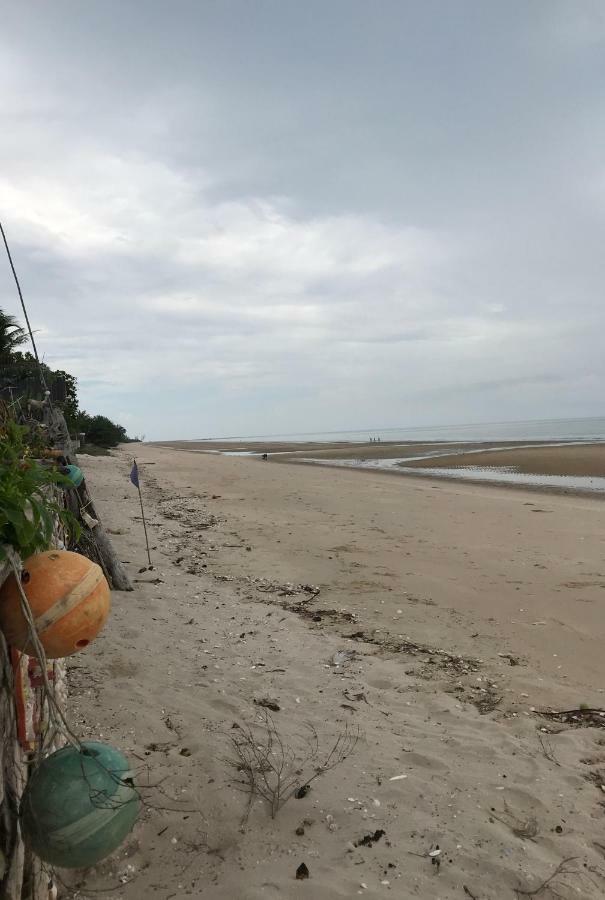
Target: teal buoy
{"points": [[79, 805], [74, 474]]}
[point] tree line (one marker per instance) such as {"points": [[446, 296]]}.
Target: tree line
{"points": [[20, 372]]}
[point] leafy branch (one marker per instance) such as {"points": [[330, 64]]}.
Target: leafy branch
{"points": [[27, 510]]}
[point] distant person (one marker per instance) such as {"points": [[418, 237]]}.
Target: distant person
{"points": [[265, 457]]}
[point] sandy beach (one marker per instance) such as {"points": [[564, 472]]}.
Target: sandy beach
{"points": [[437, 621], [549, 459]]}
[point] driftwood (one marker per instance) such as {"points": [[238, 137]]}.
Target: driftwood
{"points": [[111, 565]]}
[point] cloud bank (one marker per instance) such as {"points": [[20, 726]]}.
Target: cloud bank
{"points": [[242, 218]]}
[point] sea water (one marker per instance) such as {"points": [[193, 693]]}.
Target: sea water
{"points": [[589, 429]]}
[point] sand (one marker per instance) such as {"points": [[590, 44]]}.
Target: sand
{"points": [[469, 609], [565, 460], [529, 457]]}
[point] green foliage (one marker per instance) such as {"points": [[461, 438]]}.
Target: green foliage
{"points": [[21, 369], [11, 335], [27, 514], [101, 431]]}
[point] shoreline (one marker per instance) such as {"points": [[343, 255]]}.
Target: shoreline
{"points": [[448, 457]]}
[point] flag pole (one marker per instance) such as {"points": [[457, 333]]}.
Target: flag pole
{"points": [[143, 517]]}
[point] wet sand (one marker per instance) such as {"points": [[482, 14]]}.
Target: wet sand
{"points": [[570, 467], [576, 460], [524, 456], [465, 610]]}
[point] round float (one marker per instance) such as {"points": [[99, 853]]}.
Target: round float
{"points": [[79, 805], [69, 598]]}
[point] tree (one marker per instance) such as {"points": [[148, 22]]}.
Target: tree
{"points": [[101, 431], [11, 336], [20, 372]]}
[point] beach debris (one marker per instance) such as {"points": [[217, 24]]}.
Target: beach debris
{"points": [[435, 856], [436, 658], [566, 868], [486, 699], [343, 657], [302, 872], [368, 840], [306, 823], [268, 703], [397, 777], [287, 589], [359, 696], [548, 749], [332, 826], [158, 747], [513, 660], [583, 717], [597, 777], [275, 770], [89, 520], [525, 828]]}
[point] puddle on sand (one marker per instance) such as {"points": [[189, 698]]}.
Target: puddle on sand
{"points": [[504, 475]]}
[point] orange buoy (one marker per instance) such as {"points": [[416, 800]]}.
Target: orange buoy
{"points": [[69, 599]]}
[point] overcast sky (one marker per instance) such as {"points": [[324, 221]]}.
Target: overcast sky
{"points": [[276, 216]]}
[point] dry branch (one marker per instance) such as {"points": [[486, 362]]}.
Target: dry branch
{"points": [[563, 870], [276, 771]]}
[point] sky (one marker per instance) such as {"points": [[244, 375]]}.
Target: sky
{"points": [[238, 217]]}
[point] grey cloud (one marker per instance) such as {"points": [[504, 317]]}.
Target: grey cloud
{"points": [[292, 216]]}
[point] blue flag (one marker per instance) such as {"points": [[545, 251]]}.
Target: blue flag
{"points": [[134, 474]]}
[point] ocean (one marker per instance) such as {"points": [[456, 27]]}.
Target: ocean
{"points": [[588, 429]]}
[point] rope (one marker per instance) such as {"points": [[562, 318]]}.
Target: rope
{"points": [[29, 328]]}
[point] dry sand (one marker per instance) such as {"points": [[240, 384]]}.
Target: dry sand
{"points": [[510, 584]]}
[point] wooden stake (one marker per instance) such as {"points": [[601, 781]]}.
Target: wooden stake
{"points": [[143, 517]]}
